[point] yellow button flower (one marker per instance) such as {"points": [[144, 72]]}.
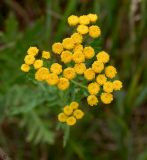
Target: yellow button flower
{"points": [[38, 64], [78, 114], [78, 47], [82, 29], [68, 110], [41, 74], [56, 68], [78, 57], [84, 20], [52, 79], [73, 20], [106, 98], [92, 100], [103, 57], [77, 38], [80, 68], [93, 17], [110, 71], [71, 121], [93, 88], [33, 51], [117, 85], [57, 48], [94, 31], [68, 43], [89, 74], [97, 66], [74, 105], [62, 117], [29, 59], [25, 68], [88, 52], [66, 56], [108, 87], [46, 55], [69, 73], [101, 79], [63, 83]]}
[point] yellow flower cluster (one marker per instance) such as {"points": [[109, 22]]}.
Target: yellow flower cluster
{"points": [[71, 113], [76, 60]]}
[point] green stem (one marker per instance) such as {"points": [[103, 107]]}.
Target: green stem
{"points": [[78, 84]]}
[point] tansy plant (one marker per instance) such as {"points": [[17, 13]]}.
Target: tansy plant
{"points": [[78, 64]]}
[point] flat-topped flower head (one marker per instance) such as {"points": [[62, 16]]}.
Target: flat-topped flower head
{"points": [[89, 74], [93, 17], [110, 71], [71, 121], [78, 57], [97, 66], [82, 29], [33, 51], [69, 73], [108, 87], [38, 63], [46, 55], [93, 88], [78, 114], [106, 98], [101, 79], [92, 100], [42, 74], [29, 59], [88, 52], [62, 117], [77, 38], [57, 48], [85, 20], [103, 57], [68, 110], [74, 105], [66, 56], [80, 68], [73, 20], [56, 68], [94, 31], [63, 83], [117, 85], [25, 68], [68, 43], [52, 79]]}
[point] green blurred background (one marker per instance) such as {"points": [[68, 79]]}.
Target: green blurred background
{"points": [[28, 124]]}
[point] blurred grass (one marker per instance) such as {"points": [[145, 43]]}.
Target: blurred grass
{"points": [[117, 131]]}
